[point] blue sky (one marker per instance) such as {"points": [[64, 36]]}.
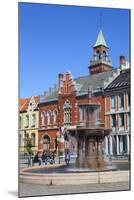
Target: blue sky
{"points": [[54, 39]]}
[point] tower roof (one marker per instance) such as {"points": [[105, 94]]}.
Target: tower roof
{"points": [[100, 40]]}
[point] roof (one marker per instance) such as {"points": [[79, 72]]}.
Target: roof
{"points": [[82, 83], [122, 81], [120, 85], [100, 40], [23, 103], [95, 80]]}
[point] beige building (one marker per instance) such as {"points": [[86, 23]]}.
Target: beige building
{"points": [[28, 123]]}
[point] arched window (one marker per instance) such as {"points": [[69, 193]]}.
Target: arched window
{"points": [[98, 55], [46, 143], [49, 117], [104, 56], [27, 121], [55, 117], [26, 136], [42, 118], [33, 120], [67, 112], [33, 139]]}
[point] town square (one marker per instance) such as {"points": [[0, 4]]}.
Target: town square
{"points": [[74, 136]]}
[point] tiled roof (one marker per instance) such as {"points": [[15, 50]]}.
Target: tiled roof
{"points": [[123, 80], [96, 81], [23, 104]]}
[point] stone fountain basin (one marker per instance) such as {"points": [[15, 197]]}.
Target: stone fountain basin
{"points": [[28, 176]]}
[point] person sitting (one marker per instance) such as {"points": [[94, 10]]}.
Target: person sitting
{"points": [[36, 159]]}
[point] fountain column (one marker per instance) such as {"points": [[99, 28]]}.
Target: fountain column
{"points": [[91, 153], [79, 160], [100, 158]]}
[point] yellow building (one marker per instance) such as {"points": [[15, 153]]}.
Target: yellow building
{"points": [[28, 123]]}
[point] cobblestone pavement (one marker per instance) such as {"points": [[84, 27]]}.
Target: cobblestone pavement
{"points": [[34, 190]]}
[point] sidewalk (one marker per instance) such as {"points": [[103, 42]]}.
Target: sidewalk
{"points": [[34, 190]]}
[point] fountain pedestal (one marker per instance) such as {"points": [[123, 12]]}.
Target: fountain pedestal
{"points": [[90, 138]]}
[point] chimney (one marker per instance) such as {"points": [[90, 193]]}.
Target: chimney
{"points": [[50, 90], [122, 60], [60, 76]]}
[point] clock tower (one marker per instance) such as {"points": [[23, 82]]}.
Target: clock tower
{"points": [[100, 61]]}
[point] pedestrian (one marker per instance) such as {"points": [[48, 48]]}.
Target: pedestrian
{"points": [[67, 157], [51, 158], [44, 157], [36, 159]]}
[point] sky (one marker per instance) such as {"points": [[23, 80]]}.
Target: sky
{"points": [[54, 39]]}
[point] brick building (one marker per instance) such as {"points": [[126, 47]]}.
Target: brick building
{"points": [[117, 112], [58, 108]]}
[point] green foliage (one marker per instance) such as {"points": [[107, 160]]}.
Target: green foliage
{"points": [[60, 153], [29, 146]]}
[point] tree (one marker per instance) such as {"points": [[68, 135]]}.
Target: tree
{"points": [[29, 146]]}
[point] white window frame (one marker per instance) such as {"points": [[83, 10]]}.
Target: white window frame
{"points": [[112, 102]]}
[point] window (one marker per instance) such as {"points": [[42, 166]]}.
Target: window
{"points": [[97, 55], [128, 120], [25, 138], [113, 121], [27, 121], [33, 120], [42, 118], [32, 106], [104, 56], [67, 113], [46, 143], [33, 139], [128, 99], [55, 117], [20, 140], [113, 102], [20, 123], [121, 101], [121, 119], [49, 117]]}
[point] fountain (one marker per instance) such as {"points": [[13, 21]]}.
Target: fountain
{"points": [[90, 165], [89, 135]]}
